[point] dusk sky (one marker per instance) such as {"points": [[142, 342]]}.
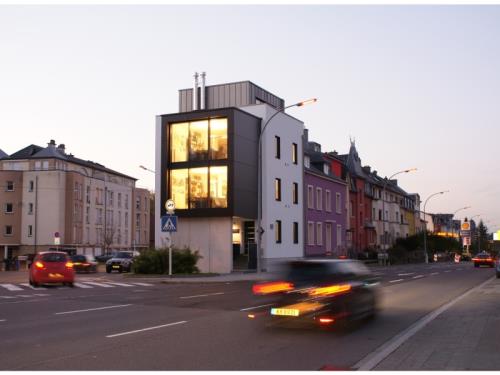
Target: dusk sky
{"points": [[415, 86]]}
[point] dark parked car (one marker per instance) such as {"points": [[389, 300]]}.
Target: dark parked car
{"points": [[319, 292], [104, 258], [121, 262], [84, 263], [483, 259]]}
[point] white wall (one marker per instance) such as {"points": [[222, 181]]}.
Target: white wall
{"points": [[290, 130], [159, 235]]}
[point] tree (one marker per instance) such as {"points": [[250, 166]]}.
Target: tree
{"points": [[482, 231], [108, 237]]}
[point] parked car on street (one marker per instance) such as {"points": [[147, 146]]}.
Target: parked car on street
{"points": [[483, 259], [84, 263], [121, 262], [318, 293], [51, 267], [104, 258]]}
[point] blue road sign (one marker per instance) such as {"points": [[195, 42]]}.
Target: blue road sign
{"points": [[169, 223]]}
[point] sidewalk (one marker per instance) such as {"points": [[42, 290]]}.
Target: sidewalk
{"points": [[465, 337]]}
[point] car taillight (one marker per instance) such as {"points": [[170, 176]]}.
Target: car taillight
{"points": [[273, 287], [329, 290], [69, 265], [86, 264], [39, 265], [326, 320]]}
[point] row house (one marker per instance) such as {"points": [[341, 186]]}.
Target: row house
{"points": [[325, 206], [49, 193]]}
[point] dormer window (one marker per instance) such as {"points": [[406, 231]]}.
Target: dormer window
{"points": [[326, 169], [307, 162]]}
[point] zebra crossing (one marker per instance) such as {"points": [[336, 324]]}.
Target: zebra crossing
{"points": [[82, 284]]}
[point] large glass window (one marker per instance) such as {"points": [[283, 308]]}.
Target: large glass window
{"points": [[198, 140], [178, 188], [179, 135], [218, 187], [198, 188], [218, 138]]}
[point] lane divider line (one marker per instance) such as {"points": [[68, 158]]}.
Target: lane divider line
{"points": [[119, 284], [395, 281], [373, 359], [434, 273], [142, 284], [202, 295], [406, 274], [146, 329], [417, 277], [95, 309], [255, 307], [3, 320]]}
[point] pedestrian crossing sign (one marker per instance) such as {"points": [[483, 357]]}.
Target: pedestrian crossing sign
{"points": [[169, 223]]}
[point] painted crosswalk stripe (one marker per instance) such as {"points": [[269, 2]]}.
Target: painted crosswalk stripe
{"points": [[33, 287], [142, 284], [11, 287], [98, 284], [119, 284], [83, 286]]}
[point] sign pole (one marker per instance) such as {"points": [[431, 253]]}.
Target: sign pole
{"points": [[170, 207], [170, 254]]}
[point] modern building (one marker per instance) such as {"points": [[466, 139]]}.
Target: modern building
{"points": [[207, 156], [52, 199], [324, 204]]}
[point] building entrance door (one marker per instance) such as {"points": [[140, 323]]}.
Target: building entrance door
{"points": [[328, 238]]}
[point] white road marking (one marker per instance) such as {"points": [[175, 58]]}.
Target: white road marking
{"points": [[379, 273], [98, 284], [119, 284], [41, 295], [395, 281], [256, 307], [459, 269], [434, 273], [373, 359], [11, 287], [142, 284], [406, 274], [3, 320], [95, 309], [33, 287], [25, 295], [146, 329], [418, 277], [448, 271], [202, 295], [83, 286], [7, 297]]}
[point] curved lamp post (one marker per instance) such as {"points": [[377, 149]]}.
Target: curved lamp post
{"points": [[453, 215], [384, 219], [146, 169], [260, 230], [425, 218]]}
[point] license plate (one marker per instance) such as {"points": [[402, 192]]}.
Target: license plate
{"points": [[285, 312], [55, 275], [116, 266]]}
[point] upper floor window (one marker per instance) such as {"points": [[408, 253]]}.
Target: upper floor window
{"points": [[328, 201], [294, 153], [319, 198], [30, 208], [338, 203], [9, 208], [295, 194], [10, 186], [198, 140], [31, 186], [326, 169], [277, 147], [277, 189], [8, 230], [295, 232], [277, 231], [307, 162], [310, 233], [310, 196]]}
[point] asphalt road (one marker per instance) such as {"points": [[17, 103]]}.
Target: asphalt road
{"points": [[146, 325]]}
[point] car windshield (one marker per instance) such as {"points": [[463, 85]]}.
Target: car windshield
{"points": [[54, 257], [483, 256], [306, 271], [78, 258], [123, 255]]}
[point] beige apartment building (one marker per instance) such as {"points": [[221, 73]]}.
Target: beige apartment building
{"points": [[50, 199]]}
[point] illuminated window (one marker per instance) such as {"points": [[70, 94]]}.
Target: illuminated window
{"points": [[218, 187], [198, 140], [198, 188], [277, 231], [179, 135], [218, 139], [277, 189], [178, 188]]}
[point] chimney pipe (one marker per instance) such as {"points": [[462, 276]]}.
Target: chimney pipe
{"points": [[202, 96], [195, 92]]}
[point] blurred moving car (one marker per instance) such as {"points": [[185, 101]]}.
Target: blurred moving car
{"points": [[483, 259], [319, 292], [84, 263], [51, 267], [497, 266], [121, 262]]}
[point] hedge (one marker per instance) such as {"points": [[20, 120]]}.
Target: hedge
{"points": [[155, 261]]}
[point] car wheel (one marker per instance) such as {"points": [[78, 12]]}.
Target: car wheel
{"points": [[476, 265], [108, 269], [120, 270], [71, 285], [35, 284]]}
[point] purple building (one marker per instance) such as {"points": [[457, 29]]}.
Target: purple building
{"points": [[324, 205]]}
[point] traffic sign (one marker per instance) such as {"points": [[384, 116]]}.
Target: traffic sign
{"points": [[465, 226], [170, 206], [56, 234], [169, 223], [466, 241]]}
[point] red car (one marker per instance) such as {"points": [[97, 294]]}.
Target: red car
{"points": [[52, 267], [483, 259]]}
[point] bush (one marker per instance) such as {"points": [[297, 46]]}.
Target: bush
{"points": [[155, 261]]}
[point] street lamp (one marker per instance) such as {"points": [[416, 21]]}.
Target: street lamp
{"points": [[146, 169], [260, 230], [453, 215], [383, 202], [425, 219]]}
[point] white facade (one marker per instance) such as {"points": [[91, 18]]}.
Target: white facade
{"points": [[290, 130]]}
